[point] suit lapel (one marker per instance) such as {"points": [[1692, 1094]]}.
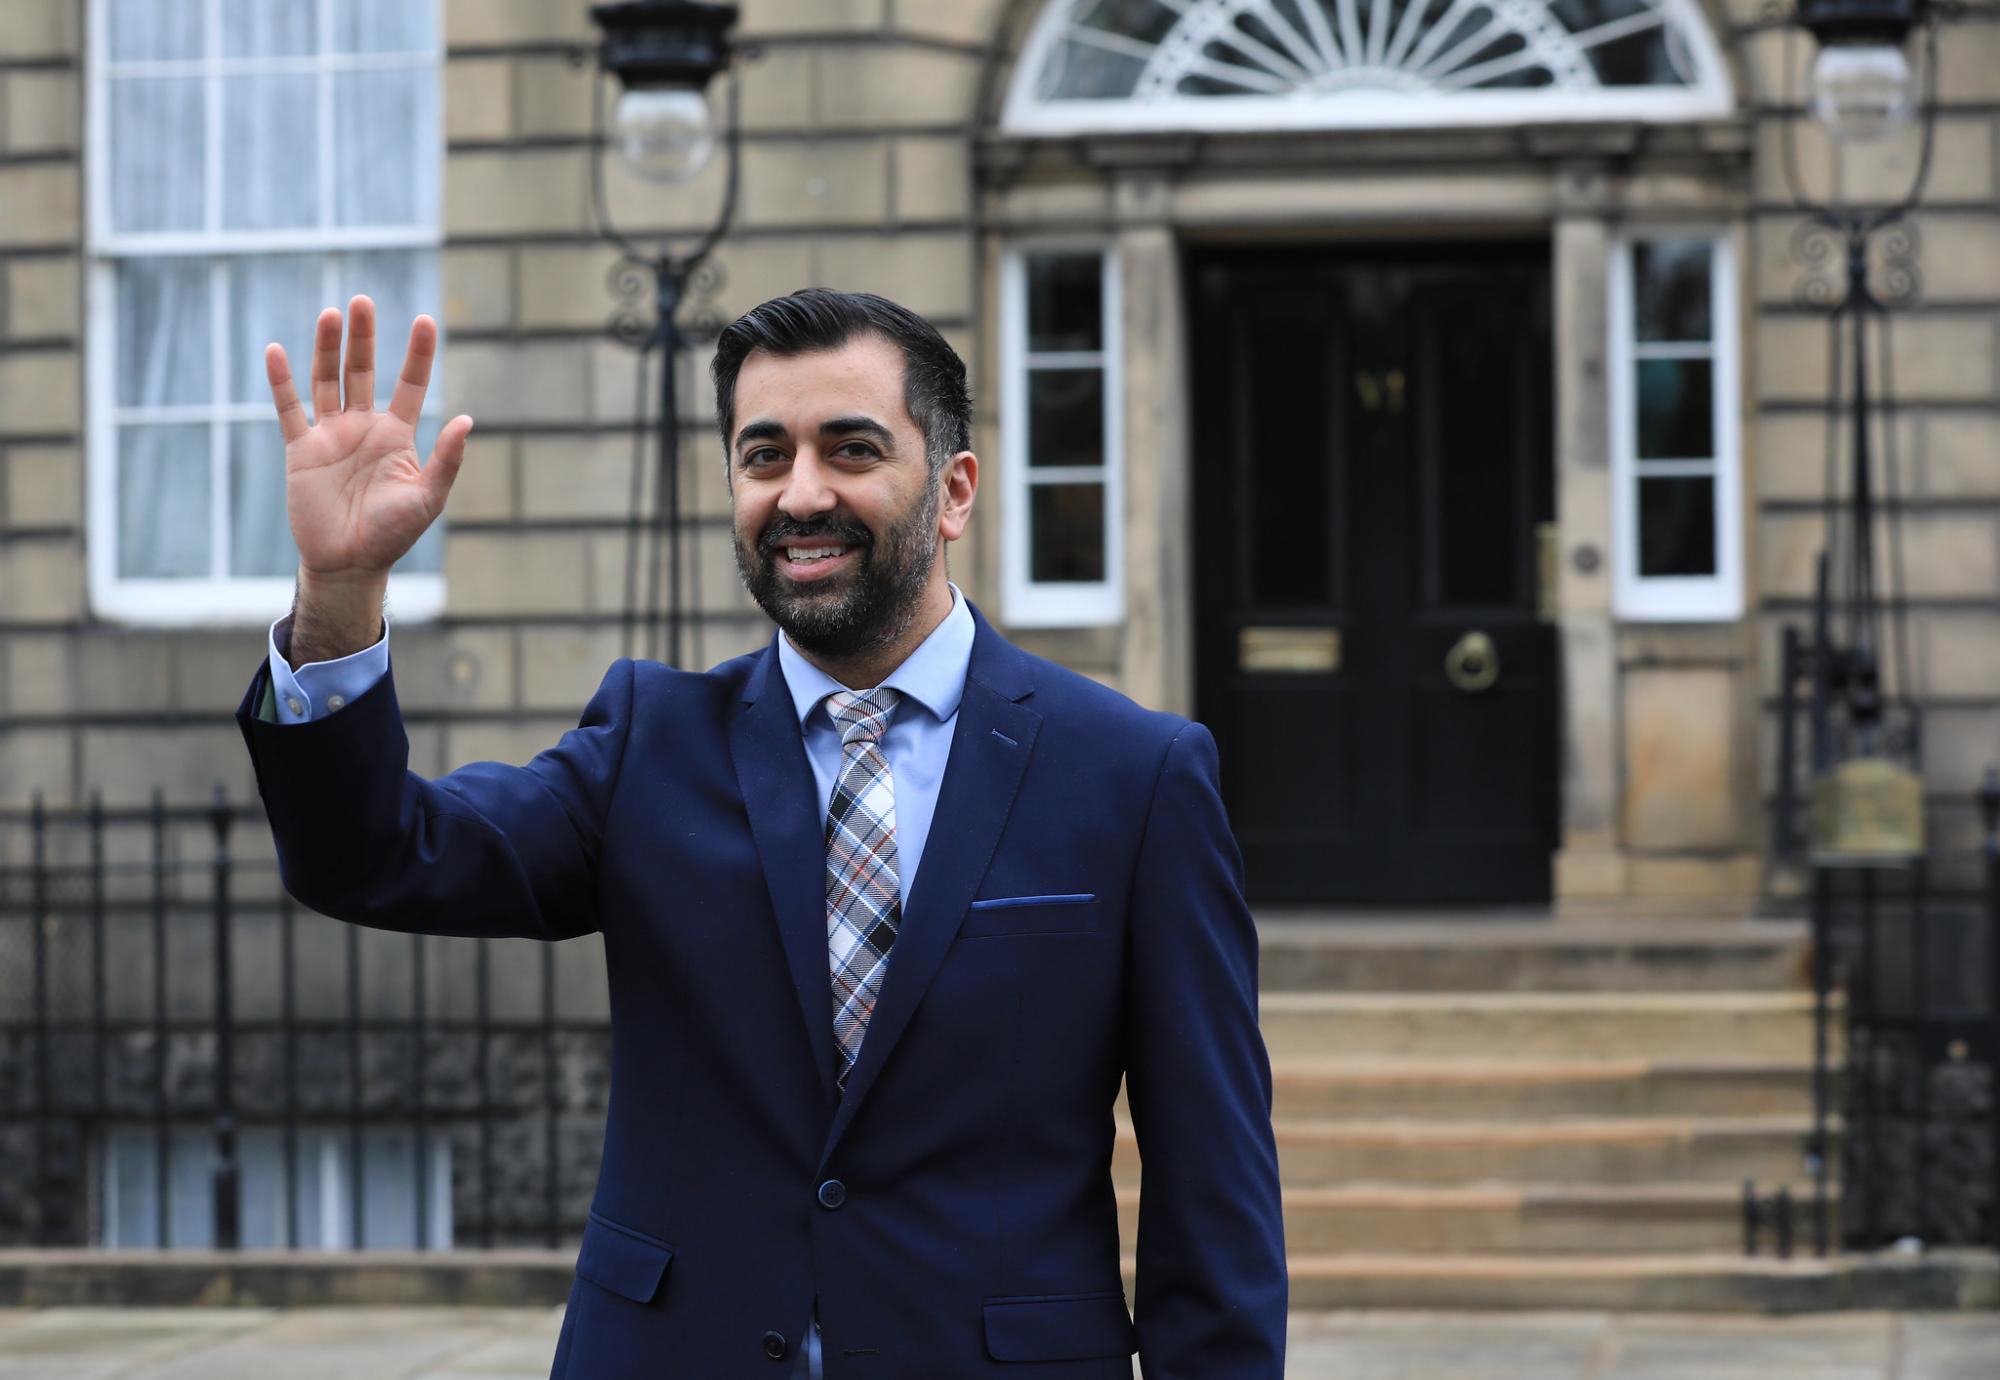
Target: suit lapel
{"points": [[989, 752], [779, 796]]}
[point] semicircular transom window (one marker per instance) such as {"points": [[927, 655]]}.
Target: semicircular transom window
{"points": [[1344, 64]]}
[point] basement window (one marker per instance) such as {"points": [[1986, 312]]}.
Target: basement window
{"points": [[145, 1203]]}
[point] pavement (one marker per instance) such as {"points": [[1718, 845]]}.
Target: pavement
{"points": [[516, 1344]]}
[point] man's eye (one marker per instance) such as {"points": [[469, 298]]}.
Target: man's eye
{"points": [[763, 455], [856, 450]]}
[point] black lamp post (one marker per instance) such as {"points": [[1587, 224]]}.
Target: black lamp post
{"points": [[664, 54], [1863, 258], [1867, 796]]}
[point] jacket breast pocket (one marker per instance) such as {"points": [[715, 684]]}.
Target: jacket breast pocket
{"points": [[1059, 1327], [628, 1263], [1055, 914]]}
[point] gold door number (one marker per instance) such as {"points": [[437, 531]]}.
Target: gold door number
{"points": [[1380, 391]]}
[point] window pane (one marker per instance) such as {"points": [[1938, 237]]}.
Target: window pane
{"points": [[270, 152], [157, 129], [273, 297], [1065, 302], [1677, 525], [1066, 533], [260, 535], [1065, 417], [1670, 281], [260, 28], [403, 283], [1676, 409], [384, 26], [163, 332], [385, 148], [163, 500], [152, 29]]}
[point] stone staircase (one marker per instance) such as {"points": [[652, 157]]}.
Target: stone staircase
{"points": [[1545, 1114]]}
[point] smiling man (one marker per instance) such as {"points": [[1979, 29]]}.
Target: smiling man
{"points": [[889, 907]]}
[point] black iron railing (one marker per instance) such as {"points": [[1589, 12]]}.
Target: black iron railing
{"points": [[165, 1009], [1905, 1144]]}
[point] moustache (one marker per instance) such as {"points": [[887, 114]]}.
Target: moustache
{"points": [[834, 533]]}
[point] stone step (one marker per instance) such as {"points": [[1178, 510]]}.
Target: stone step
{"points": [[1515, 1219], [1598, 1151], [1670, 1026], [1720, 1282], [1496, 1089], [1714, 1283], [1672, 954]]}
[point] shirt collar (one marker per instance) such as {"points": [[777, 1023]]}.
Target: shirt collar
{"points": [[933, 674]]}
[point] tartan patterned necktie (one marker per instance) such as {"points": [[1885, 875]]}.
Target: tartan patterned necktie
{"points": [[864, 899]]}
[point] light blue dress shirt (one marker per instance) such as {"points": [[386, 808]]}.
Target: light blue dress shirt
{"points": [[917, 742]]}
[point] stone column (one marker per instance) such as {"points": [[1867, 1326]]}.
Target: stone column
{"points": [[1156, 652], [1589, 863]]}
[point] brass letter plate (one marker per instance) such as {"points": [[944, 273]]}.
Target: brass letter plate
{"points": [[1867, 812], [1312, 650]]}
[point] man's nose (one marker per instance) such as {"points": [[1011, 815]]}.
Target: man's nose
{"points": [[807, 493]]}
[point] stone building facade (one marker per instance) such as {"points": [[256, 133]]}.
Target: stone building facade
{"points": [[1088, 253], [879, 152]]}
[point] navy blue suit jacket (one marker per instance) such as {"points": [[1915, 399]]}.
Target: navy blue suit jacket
{"points": [[1078, 916]]}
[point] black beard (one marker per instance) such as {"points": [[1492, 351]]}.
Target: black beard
{"points": [[870, 609]]}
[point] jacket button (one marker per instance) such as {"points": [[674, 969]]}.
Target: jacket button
{"points": [[774, 1345], [832, 1193]]}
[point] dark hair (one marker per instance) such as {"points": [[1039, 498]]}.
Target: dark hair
{"points": [[934, 387]]}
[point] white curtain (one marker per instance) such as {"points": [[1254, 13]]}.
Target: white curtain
{"points": [[270, 152], [163, 361], [146, 30], [385, 144]]}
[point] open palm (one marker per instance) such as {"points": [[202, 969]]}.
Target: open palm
{"points": [[355, 492]]}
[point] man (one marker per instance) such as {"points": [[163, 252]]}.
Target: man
{"points": [[888, 906]]}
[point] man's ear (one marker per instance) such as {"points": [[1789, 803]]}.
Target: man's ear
{"points": [[961, 483]]}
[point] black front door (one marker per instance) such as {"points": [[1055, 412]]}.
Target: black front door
{"points": [[1373, 462]]}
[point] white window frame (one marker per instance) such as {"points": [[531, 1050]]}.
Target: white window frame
{"points": [[1025, 113], [1676, 598], [212, 600], [1059, 604]]}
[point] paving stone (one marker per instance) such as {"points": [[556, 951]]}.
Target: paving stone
{"points": [[1950, 1348]]}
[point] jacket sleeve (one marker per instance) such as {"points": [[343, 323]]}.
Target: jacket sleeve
{"points": [[1212, 1289], [490, 849]]}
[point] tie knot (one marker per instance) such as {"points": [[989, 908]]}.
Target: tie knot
{"points": [[862, 715]]}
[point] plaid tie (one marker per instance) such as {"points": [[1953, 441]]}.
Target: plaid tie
{"points": [[864, 900]]}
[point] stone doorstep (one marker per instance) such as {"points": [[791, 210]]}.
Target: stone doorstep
{"points": [[1443, 1222], [1539, 1026], [1726, 1149], [1305, 1087], [1941, 1280], [1946, 1280]]}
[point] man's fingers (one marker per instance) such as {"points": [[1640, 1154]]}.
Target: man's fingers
{"points": [[292, 420], [359, 377], [408, 400], [445, 459], [326, 364]]}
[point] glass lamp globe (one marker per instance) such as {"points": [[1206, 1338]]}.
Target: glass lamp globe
{"points": [[664, 133], [1862, 91]]}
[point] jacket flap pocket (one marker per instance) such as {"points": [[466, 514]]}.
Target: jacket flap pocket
{"points": [[621, 1260], [1059, 1327]]}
